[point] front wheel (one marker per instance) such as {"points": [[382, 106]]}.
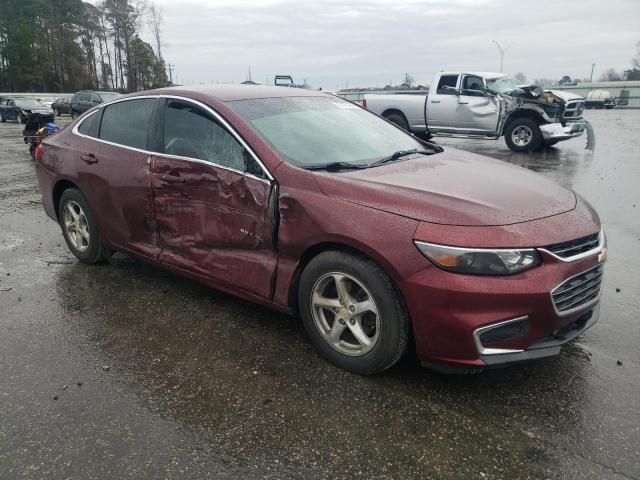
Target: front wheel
{"points": [[353, 312], [80, 229], [74, 114], [523, 135]]}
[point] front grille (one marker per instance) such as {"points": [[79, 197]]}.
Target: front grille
{"points": [[578, 291], [573, 110], [575, 247]]}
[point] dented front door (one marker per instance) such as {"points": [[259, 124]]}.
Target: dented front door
{"points": [[214, 222]]}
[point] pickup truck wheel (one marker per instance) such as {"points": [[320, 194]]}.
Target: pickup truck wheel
{"points": [[523, 135], [353, 312], [397, 118]]}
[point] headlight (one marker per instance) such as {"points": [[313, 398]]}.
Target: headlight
{"points": [[477, 261]]}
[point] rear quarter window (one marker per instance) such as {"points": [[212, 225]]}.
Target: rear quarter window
{"points": [[90, 126], [126, 123]]}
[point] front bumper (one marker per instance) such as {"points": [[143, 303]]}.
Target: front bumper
{"points": [[558, 132], [450, 310], [548, 346]]}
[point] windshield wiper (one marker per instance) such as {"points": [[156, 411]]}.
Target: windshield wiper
{"points": [[334, 166], [400, 153]]}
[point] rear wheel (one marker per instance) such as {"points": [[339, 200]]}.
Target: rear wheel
{"points": [[397, 118], [523, 135], [2, 118], [353, 312], [80, 229]]}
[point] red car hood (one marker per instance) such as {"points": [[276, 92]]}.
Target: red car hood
{"points": [[452, 188]]}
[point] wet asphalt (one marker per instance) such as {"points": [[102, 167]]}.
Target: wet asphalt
{"points": [[123, 370]]}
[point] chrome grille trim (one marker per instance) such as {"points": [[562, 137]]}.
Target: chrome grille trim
{"points": [[577, 249], [578, 292]]}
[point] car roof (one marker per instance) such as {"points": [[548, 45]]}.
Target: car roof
{"points": [[228, 93]]}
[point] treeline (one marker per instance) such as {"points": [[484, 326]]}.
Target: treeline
{"points": [[69, 45]]}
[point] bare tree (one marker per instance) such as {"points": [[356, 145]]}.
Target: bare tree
{"points": [[611, 75], [155, 22], [521, 78]]}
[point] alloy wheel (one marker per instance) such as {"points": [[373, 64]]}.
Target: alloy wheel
{"points": [[345, 313], [76, 226]]}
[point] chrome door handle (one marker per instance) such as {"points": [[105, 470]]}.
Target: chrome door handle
{"points": [[435, 101]]}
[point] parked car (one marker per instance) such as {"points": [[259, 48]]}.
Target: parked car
{"points": [[309, 204], [600, 99], [488, 106], [20, 108], [62, 105], [46, 100], [86, 99]]}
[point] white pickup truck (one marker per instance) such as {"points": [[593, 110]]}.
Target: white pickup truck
{"points": [[485, 105]]}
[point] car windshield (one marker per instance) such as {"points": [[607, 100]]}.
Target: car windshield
{"points": [[312, 131], [28, 103], [108, 96], [502, 84]]}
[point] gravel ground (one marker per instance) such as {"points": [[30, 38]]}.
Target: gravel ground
{"points": [[126, 371]]}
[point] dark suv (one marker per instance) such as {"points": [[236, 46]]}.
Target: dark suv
{"points": [[85, 99]]}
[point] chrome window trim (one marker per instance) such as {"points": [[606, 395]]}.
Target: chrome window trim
{"points": [[482, 350], [224, 123], [583, 306], [598, 249]]}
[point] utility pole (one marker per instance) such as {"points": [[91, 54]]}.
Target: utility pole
{"points": [[249, 73], [171, 67], [593, 66], [502, 52]]}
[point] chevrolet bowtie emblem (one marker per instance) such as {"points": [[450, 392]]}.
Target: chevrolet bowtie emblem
{"points": [[602, 256]]}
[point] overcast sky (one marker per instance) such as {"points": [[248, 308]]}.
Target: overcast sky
{"points": [[373, 42]]}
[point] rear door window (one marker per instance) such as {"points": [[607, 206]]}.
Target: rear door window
{"points": [[447, 81], [126, 123]]}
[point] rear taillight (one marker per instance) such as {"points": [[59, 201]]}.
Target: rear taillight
{"points": [[39, 152], [364, 103]]}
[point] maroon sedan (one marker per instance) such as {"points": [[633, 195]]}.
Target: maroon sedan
{"points": [[306, 203]]}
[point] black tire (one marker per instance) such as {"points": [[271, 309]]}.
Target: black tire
{"points": [[2, 118], [32, 151], [95, 252], [20, 119], [393, 332], [57, 112], [74, 114], [534, 141], [397, 118]]}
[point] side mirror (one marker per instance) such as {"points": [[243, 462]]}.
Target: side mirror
{"points": [[95, 101]]}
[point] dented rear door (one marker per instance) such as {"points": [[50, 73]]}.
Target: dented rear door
{"points": [[213, 217]]}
